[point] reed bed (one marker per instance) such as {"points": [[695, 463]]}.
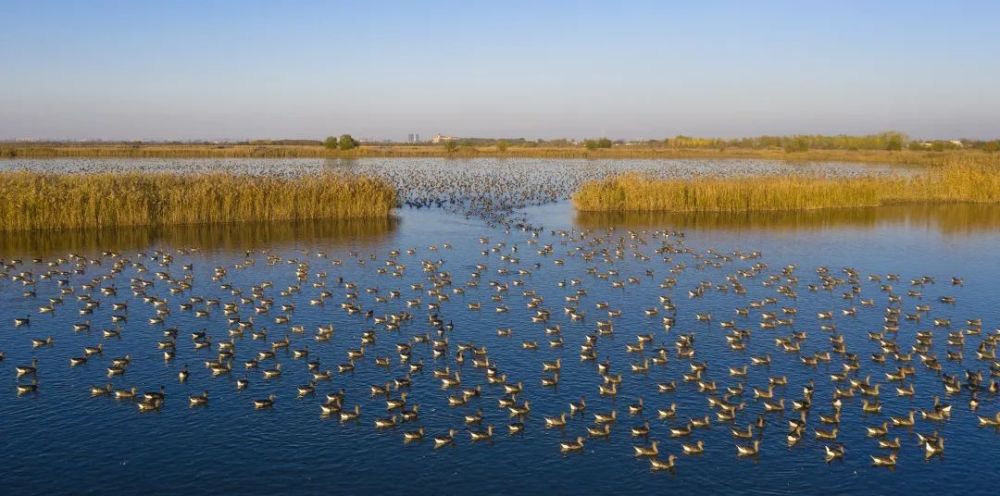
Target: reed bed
{"points": [[68, 201], [961, 179]]}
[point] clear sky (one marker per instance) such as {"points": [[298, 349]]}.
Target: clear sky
{"points": [[626, 69]]}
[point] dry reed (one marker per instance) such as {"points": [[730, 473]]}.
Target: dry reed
{"points": [[962, 179], [64, 201]]}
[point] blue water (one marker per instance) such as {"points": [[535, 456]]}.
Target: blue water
{"points": [[61, 440]]}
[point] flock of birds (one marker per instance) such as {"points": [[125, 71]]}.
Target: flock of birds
{"points": [[742, 396], [563, 298]]}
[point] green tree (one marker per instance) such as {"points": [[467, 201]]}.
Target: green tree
{"points": [[895, 143], [593, 144], [330, 142], [347, 142], [450, 146], [502, 146]]}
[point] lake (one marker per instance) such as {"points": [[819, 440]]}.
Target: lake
{"points": [[504, 233]]}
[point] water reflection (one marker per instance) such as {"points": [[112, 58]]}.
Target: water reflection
{"points": [[950, 219], [233, 236]]}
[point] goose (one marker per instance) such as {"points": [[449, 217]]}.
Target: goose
{"points": [[934, 447], [23, 389], [23, 370], [647, 451], [385, 423], [694, 449], [101, 390], [125, 394], [350, 415], [555, 422], [606, 418], [834, 453], [889, 443], [198, 400], [482, 435], [656, 464], [445, 439], [907, 421], [748, 451], [569, 446], [668, 413], [264, 403], [884, 461], [412, 436]]}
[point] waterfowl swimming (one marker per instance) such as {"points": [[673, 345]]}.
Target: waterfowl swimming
{"points": [[647, 451], [101, 390], [658, 464], [482, 435], [384, 423], [23, 389], [884, 461], [694, 449], [834, 453], [445, 439], [264, 403], [350, 415], [199, 400], [933, 447], [555, 422], [23, 370], [568, 446], [747, 451], [411, 436]]}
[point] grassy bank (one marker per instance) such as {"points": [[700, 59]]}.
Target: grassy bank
{"points": [[67, 201], [963, 178], [312, 151]]}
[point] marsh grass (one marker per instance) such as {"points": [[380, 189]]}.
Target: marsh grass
{"points": [[68, 201], [958, 179]]}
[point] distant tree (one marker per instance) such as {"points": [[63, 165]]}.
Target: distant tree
{"points": [[895, 143], [797, 144], [593, 144], [992, 146], [346, 142], [450, 146], [330, 142], [502, 146]]}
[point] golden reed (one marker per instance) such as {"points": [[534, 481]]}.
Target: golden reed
{"points": [[963, 178], [64, 201]]}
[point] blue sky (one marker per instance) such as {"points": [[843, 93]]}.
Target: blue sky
{"points": [[640, 69]]}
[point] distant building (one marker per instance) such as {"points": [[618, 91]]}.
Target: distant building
{"points": [[440, 138], [413, 138]]}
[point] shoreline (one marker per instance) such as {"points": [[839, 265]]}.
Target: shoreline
{"points": [[902, 157]]}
